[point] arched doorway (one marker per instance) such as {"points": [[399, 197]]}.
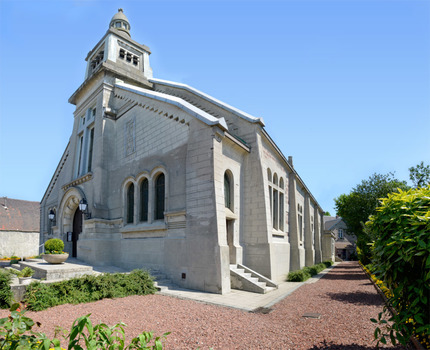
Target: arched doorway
{"points": [[77, 229]]}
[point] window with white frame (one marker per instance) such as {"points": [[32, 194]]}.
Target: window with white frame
{"points": [[340, 233], [276, 199]]}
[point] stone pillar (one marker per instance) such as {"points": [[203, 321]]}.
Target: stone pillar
{"points": [[317, 226], [296, 262], [309, 239]]}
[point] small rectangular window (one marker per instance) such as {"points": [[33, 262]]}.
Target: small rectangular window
{"points": [[121, 53]]}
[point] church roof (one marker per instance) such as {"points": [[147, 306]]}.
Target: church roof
{"points": [[211, 99], [19, 215], [176, 101]]}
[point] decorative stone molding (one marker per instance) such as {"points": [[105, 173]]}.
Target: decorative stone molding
{"points": [[78, 181]]}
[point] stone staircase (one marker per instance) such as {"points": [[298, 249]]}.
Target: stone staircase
{"points": [[244, 278]]}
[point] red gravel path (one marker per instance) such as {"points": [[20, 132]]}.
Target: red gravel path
{"points": [[344, 297]]}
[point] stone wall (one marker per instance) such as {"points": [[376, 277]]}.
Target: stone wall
{"points": [[22, 244]]}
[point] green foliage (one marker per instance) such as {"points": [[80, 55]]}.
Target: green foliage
{"points": [[84, 335], [54, 246], [420, 175], [356, 207], [328, 263], [327, 213], [298, 276], [88, 288], [401, 259], [307, 272], [26, 272], [5, 291], [16, 333]]}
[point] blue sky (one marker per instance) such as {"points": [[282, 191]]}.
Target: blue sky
{"points": [[343, 86]]}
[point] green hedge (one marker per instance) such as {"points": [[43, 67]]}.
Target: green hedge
{"points": [[307, 272], [40, 296], [401, 259], [5, 291]]}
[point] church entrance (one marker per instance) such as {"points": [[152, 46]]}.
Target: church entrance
{"points": [[77, 229]]}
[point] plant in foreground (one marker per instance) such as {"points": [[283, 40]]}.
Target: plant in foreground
{"points": [[16, 333]]}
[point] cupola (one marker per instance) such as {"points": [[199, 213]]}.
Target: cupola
{"points": [[120, 22]]}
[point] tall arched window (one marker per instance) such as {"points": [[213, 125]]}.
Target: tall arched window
{"points": [[227, 191], [144, 200], [276, 200], [130, 204], [159, 196]]}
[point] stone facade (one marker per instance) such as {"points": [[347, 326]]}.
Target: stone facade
{"points": [[175, 180]]}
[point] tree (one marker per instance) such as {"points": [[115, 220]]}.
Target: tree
{"points": [[327, 213], [356, 207], [420, 175]]}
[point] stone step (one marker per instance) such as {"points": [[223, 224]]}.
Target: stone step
{"points": [[244, 278]]}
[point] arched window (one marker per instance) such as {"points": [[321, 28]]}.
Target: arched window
{"points": [[144, 195], [276, 200], [130, 204], [228, 194], [159, 197]]}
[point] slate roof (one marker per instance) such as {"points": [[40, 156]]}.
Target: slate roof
{"points": [[330, 222], [19, 215]]}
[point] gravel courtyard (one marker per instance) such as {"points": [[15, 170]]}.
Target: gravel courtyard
{"points": [[345, 299]]}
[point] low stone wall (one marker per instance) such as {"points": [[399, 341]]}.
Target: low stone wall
{"points": [[22, 244]]}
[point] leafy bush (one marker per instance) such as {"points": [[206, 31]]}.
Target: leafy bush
{"points": [[401, 259], [298, 276], [16, 333], [307, 272], [328, 263], [88, 288], [5, 291], [54, 246]]}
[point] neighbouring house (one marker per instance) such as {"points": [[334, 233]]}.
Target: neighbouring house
{"points": [[19, 227], [344, 241], [160, 175]]}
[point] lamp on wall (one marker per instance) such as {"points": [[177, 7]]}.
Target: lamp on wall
{"points": [[83, 207], [51, 217]]}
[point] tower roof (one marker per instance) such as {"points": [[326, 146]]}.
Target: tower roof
{"points": [[120, 22]]}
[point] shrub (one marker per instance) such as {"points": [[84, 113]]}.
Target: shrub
{"points": [[307, 272], [401, 259], [88, 288], [328, 263], [5, 291], [54, 245], [298, 276]]}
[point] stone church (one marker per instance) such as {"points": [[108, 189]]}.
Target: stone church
{"points": [[174, 180]]}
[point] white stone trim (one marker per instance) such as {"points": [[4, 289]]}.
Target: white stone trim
{"points": [[176, 101], [211, 99]]}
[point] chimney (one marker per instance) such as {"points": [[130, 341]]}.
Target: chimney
{"points": [[290, 161]]}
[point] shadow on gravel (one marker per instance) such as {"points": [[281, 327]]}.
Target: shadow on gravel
{"points": [[330, 346], [360, 298], [341, 275]]}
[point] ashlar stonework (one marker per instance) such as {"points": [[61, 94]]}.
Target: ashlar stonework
{"points": [[176, 181]]}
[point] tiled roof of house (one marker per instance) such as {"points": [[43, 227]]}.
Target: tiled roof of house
{"points": [[19, 215]]}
